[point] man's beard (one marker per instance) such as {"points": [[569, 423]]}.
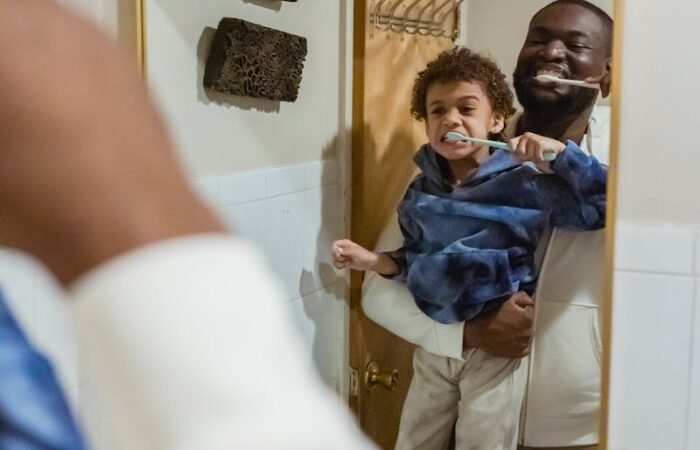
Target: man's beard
{"points": [[577, 101]]}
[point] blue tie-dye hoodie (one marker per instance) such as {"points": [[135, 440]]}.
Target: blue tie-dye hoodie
{"points": [[467, 249]]}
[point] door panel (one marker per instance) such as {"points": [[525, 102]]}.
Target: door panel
{"points": [[385, 138]]}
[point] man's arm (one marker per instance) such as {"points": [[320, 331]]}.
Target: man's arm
{"points": [[391, 305], [87, 168], [505, 332]]}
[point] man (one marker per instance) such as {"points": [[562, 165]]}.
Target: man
{"points": [[568, 39], [187, 336]]}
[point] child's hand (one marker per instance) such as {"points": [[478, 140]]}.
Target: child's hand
{"points": [[532, 147], [346, 253]]}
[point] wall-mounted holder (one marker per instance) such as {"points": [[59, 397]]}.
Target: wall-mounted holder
{"points": [[251, 60]]}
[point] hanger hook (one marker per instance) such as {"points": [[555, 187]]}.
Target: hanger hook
{"points": [[426, 21], [405, 18], [377, 13], [392, 11], [456, 26], [437, 25], [443, 30]]}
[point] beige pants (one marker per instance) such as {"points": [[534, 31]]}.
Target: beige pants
{"points": [[479, 398]]}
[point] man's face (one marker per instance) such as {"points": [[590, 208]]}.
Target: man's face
{"points": [[567, 41]]}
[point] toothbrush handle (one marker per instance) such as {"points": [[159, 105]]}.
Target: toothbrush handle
{"points": [[583, 84], [500, 145], [548, 155], [494, 144]]}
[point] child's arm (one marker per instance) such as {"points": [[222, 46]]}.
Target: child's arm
{"points": [[347, 253]]}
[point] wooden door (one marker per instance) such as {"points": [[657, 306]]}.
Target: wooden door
{"points": [[385, 138]]}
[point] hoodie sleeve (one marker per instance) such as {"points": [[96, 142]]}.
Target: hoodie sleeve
{"points": [[580, 203], [411, 236]]}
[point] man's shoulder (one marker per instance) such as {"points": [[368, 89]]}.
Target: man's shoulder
{"points": [[512, 124]]}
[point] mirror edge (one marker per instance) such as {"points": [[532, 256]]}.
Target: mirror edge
{"points": [[609, 264]]}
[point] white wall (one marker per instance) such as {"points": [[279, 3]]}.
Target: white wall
{"points": [[655, 374], [220, 134], [660, 96], [274, 170]]}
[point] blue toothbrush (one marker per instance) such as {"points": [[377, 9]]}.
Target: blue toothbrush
{"points": [[455, 136]]}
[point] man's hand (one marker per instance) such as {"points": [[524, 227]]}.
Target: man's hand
{"points": [[87, 169], [505, 332]]}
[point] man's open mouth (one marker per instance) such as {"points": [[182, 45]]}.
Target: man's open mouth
{"points": [[552, 73]]}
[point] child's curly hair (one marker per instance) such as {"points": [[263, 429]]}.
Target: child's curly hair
{"points": [[462, 64]]}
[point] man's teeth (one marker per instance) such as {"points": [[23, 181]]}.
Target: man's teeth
{"points": [[551, 73]]}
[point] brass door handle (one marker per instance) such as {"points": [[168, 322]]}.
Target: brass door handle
{"points": [[373, 377]]}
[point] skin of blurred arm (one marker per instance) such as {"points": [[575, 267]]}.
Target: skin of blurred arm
{"points": [[87, 170]]}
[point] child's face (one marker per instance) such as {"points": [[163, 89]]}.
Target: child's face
{"points": [[463, 107]]}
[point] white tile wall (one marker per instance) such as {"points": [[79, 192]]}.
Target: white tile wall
{"points": [[650, 366], [655, 368], [316, 315], [654, 249], [694, 397], [294, 213], [322, 224]]}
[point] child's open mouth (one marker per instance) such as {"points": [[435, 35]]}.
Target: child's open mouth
{"points": [[444, 138]]}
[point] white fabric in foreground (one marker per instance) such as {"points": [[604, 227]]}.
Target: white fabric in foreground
{"points": [[190, 347]]}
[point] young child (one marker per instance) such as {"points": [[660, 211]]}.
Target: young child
{"points": [[471, 223]]}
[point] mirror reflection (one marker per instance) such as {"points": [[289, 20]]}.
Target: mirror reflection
{"points": [[493, 266]]}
